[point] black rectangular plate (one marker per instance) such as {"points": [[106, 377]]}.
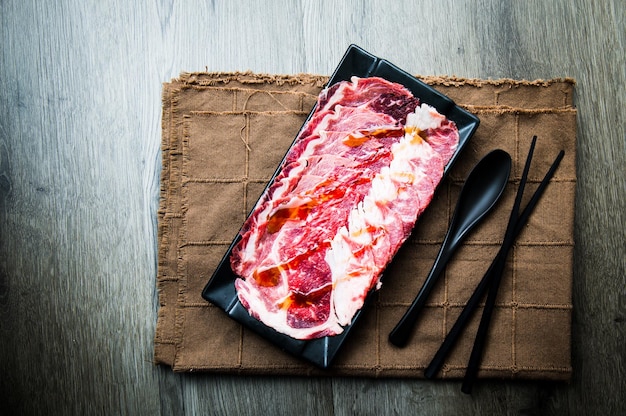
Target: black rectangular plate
{"points": [[220, 290]]}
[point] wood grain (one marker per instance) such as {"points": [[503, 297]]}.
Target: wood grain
{"points": [[80, 89]]}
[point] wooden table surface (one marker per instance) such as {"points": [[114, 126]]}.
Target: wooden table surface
{"points": [[80, 102]]}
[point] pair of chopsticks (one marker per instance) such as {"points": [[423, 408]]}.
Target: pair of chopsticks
{"points": [[491, 280]]}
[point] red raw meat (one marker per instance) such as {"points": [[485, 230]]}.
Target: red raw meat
{"points": [[347, 195]]}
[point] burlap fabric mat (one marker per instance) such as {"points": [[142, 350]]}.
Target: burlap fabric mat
{"points": [[224, 135]]}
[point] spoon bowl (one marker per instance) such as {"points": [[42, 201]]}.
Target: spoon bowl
{"points": [[482, 189]]}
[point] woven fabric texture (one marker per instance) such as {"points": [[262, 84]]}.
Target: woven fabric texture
{"points": [[224, 134]]}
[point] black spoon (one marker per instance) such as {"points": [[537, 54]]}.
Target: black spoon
{"points": [[481, 191]]}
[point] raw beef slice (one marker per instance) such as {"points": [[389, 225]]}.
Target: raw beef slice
{"points": [[348, 193]]}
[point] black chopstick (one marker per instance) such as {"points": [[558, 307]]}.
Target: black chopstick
{"points": [[496, 277], [472, 304], [491, 280]]}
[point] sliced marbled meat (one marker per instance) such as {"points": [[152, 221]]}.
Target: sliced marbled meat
{"points": [[350, 189]]}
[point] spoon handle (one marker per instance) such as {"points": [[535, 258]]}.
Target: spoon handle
{"points": [[400, 335]]}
